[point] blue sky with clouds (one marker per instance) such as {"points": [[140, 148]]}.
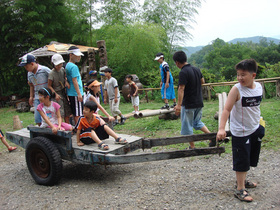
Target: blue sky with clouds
{"points": [[230, 19]]}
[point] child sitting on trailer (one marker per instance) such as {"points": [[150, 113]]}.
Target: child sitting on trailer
{"points": [[90, 130], [50, 112]]}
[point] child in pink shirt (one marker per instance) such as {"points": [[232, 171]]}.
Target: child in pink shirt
{"points": [[50, 112]]}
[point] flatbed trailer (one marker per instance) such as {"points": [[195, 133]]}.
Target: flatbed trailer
{"points": [[44, 150]]}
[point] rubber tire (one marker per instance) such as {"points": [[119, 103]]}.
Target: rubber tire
{"points": [[43, 161]]}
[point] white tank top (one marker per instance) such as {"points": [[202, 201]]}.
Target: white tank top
{"points": [[245, 114], [86, 98]]}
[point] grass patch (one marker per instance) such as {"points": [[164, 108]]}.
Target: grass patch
{"points": [[152, 127]]}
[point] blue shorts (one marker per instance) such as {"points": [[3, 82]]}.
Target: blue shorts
{"points": [[37, 116], [190, 118], [167, 93], [246, 150]]}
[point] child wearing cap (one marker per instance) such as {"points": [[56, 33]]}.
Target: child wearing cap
{"points": [[57, 83], [37, 78], [111, 90], [75, 92], [166, 83], [92, 94]]}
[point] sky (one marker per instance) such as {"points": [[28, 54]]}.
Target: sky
{"points": [[230, 19]]}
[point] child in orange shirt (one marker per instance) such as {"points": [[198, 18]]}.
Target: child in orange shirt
{"points": [[89, 129]]}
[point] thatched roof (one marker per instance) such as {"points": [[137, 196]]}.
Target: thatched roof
{"points": [[43, 54]]}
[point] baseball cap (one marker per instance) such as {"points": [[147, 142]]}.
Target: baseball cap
{"points": [[57, 59], [158, 56], [28, 58], [95, 83], [108, 70], [75, 50]]}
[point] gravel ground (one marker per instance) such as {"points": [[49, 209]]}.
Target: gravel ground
{"points": [[187, 183]]}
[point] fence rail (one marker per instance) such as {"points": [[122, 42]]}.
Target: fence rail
{"points": [[210, 86]]}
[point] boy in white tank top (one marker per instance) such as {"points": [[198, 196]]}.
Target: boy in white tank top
{"points": [[243, 106]]}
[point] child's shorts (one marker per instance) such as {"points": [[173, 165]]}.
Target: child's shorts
{"points": [[135, 100], [85, 135], [246, 150], [76, 106]]}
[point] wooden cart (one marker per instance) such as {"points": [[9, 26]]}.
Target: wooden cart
{"points": [[45, 151]]}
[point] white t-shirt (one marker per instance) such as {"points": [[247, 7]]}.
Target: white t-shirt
{"points": [[110, 88], [50, 112], [245, 114], [86, 98]]}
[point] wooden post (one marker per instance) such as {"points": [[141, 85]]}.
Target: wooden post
{"points": [[103, 60], [209, 93], [263, 87], [91, 63], [17, 123], [146, 92], [278, 88]]}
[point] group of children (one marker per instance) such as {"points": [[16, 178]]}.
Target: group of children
{"points": [[53, 105], [242, 105]]}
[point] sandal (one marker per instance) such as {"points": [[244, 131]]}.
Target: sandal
{"points": [[12, 149], [120, 141], [249, 184], [103, 146], [241, 196]]}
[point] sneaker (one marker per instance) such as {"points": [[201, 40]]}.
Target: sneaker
{"points": [[173, 105], [122, 120], [133, 112], [115, 122], [166, 106]]}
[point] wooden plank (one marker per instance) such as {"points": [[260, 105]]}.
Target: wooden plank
{"points": [[146, 157]]}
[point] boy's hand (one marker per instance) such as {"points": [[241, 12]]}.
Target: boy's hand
{"points": [[177, 109], [111, 119], [31, 99], [57, 97], [221, 134], [128, 95], [80, 144], [167, 85]]}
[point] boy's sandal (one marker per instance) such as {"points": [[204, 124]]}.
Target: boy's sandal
{"points": [[12, 149], [241, 196], [120, 141], [249, 184], [103, 146]]}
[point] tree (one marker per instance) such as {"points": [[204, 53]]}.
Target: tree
{"points": [[119, 11], [174, 16], [131, 50]]}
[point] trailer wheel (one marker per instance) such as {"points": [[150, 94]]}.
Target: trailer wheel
{"points": [[43, 161]]}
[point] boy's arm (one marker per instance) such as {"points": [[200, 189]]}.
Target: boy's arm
{"points": [[50, 82], [105, 96], [233, 96], [79, 143], [31, 96], [177, 108], [76, 86], [136, 89], [116, 94], [167, 79]]}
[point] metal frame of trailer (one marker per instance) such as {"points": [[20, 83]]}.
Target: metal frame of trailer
{"points": [[45, 151]]}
